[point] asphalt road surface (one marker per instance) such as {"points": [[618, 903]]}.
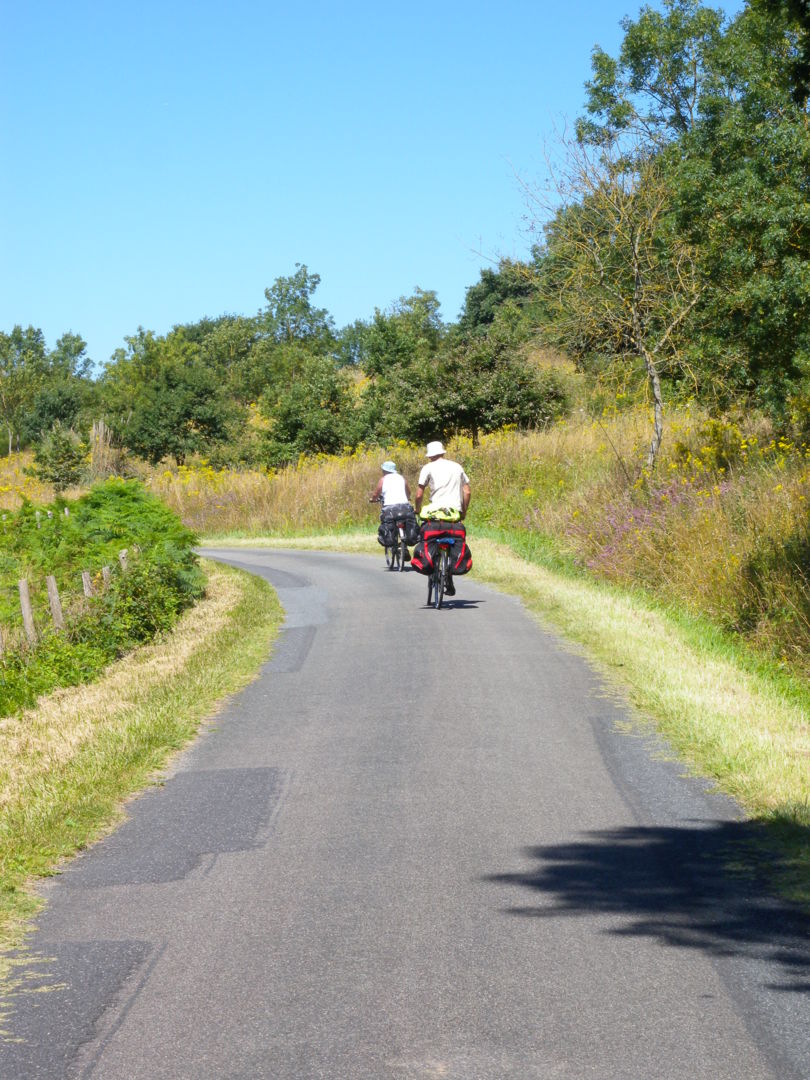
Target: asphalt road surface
{"points": [[418, 846]]}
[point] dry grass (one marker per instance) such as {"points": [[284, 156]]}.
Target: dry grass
{"points": [[721, 529], [17, 484], [48, 736], [68, 764]]}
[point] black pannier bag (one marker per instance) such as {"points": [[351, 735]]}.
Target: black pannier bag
{"points": [[412, 532], [386, 532], [406, 513]]}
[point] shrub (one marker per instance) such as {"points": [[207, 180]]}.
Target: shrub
{"points": [[60, 457], [161, 580]]}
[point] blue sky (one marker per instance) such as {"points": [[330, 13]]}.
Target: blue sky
{"points": [[167, 161]]}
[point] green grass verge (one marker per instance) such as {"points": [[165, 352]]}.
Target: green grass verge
{"points": [[151, 704]]}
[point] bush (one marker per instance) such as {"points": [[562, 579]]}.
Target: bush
{"points": [[162, 579], [60, 457]]}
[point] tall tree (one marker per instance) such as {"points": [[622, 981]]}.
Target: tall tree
{"points": [[511, 281], [653, 89], [161, 399], [617, 277], [23, 368], [290, 314]]}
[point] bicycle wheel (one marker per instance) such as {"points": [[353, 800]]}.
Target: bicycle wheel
{"points": [[403, 551], [440, 574], [389, 557], [396, 554], [430, 586]]}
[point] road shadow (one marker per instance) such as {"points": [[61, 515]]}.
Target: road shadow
{"points": [[691, 887], [453, 602]]}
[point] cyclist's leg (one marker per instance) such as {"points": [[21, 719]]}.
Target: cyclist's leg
{"points": [[449, 586]]}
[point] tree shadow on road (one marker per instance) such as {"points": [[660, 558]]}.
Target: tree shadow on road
{"points": [[693, 887]]}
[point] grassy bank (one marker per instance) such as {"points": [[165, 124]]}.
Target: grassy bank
{"points": [[68, 764]]}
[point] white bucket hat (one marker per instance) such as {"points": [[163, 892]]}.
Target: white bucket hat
{"points": [[388, 466], [434, 449]]}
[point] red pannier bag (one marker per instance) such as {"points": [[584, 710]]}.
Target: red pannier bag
{"points": [[461, 556], [422, 558], [432, 530]]}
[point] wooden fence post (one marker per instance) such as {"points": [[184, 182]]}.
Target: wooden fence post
{"points": [[122, 558], [106, 576], [38, 515], [55, 602], [87, 583], [27, 611]]}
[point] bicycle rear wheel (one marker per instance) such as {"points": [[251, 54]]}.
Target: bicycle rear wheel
{"points": [[393, 554], [440, 573]]}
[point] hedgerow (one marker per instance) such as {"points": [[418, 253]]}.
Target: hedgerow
{"points": [[161, 579]]}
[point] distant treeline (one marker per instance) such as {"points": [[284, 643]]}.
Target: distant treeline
{"points": [[672, 259]]}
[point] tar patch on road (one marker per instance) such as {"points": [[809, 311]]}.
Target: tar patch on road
{"points": [[62, 991], [196, 813]]}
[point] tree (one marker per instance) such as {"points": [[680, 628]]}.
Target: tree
{"points": [[426, 383], [61, 456], [654, 89], [182, 412], [312, 415], [23, 365], [795, 16], [290, 315], [161, 399], [69, 359], [486, 382], [742, 194], [410, 331], [511, 281], [351, 346], [399, 349], [715, 108], [616, 275]]}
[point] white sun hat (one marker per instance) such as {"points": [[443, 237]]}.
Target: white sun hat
{"points": [[434, 449]]}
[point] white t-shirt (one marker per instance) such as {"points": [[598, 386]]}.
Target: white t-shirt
{"points": [[445, 480], [393, 489]]}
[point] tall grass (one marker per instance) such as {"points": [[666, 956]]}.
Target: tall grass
{"points": [[18, 483], [721, 529]]}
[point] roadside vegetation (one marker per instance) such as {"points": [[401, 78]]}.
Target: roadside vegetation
{"points": [[140, 570], [67, 765], [631, 401]]}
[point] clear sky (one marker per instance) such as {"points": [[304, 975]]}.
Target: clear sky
{"points": [[166, 161]]}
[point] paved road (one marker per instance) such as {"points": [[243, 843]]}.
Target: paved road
{"points": [[416, 847]]}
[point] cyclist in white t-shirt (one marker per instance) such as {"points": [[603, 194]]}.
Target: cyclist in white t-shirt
{"points": [[392, 487], [449, 484], [449, 490]]}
